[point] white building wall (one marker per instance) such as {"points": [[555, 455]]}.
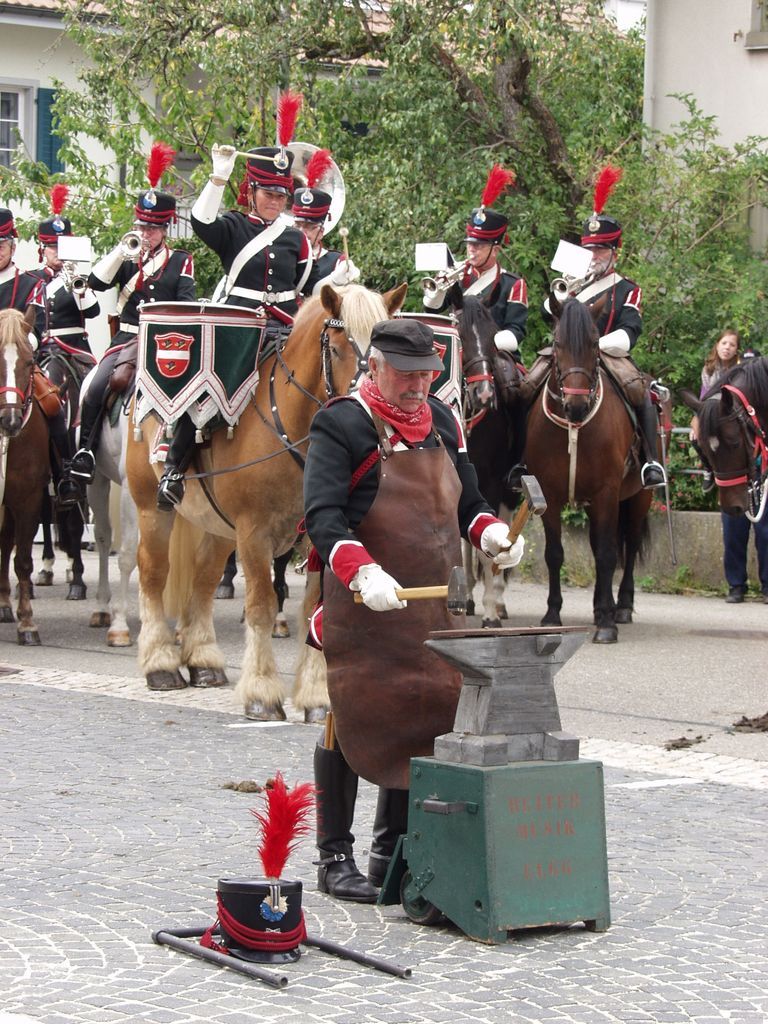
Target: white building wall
{"points": [[698, 47]]}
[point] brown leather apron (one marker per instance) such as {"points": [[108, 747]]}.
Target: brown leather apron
{"points": [[390, 695]]}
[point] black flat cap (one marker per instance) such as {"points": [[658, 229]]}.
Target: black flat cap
{"points": [[407, 345]]}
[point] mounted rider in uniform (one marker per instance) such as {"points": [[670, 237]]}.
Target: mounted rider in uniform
{"points": [[19, 290], [313, 214], [267, 262], [145, 270], [619, 325], [68, 304]]}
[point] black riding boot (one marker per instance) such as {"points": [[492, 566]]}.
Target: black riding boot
{"points": [[652, 473], [519, 422], [390, 823], [170, 490], [337, 873], [69, 491]]}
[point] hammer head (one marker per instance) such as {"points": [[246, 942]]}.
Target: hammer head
{"points": [[457, 591], [534, 497]]}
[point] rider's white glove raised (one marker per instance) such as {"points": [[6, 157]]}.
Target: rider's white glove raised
{"points": [[494, 541], [377, 588], [223, 159], [345, 273]]}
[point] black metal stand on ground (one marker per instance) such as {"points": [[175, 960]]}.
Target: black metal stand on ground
{"points": [[178, 938]]}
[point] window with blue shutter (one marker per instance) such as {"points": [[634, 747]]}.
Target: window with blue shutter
{"points": [[47, 143]]}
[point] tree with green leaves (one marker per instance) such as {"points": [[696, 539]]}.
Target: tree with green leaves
{"points": [[417, 101]]}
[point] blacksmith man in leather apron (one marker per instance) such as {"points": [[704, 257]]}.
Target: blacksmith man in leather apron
{"points": [[389, 492]]}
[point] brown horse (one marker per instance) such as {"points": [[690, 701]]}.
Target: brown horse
{"points": [[258, 506], [580, 448], [24, 465], [733, 425]]}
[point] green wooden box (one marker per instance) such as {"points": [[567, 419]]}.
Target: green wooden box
{"points": [[512, 846]]}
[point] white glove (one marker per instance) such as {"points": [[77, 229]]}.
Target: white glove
{"points": [[223, 158], [494, 541], [505, 341], [616, 343], [32, 341], [435, 297], [345, 273], [377, 588]]}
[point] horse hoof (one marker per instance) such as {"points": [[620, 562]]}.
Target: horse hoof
{"points": [[503, 613], [202, 676], [280, 631], [44, 578], [470, 608], [605, 635], [622, 616], [28, 638], [315, 716], [259, 712], [119, 638], [6, 615], [76, 592], [491, 623], [551, 620], [163, 680], [225, 592], [100, 620]]}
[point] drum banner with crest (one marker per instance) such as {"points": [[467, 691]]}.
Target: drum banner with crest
{"points": [[447, 383], [199, 359]]}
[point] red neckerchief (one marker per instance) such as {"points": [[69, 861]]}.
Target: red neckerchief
{"points": [[412, 426]]}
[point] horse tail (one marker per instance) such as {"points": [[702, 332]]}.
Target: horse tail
{"points": [[185, 540], [633, 529]]}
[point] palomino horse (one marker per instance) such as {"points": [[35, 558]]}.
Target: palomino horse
{"points": [[489, 435], [66, 368], [112, 612], [733, 423], [25, 467], [258, 507], [580, 448]]}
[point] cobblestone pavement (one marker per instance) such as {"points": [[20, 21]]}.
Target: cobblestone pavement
{"points": [[116, 822]]}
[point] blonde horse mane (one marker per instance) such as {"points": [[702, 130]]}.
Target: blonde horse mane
{"points": [[360, 310]]}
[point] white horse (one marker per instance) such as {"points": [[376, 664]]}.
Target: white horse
{"points": [[110, 468]]}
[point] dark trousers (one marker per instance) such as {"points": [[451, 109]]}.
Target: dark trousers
{"points": [[735, 546]]}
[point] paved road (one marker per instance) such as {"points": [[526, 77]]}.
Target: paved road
{"points": [[116, 822]]}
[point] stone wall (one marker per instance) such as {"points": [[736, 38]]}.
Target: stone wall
{"points": [[698, 544]]}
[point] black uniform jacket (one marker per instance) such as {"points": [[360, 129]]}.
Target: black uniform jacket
{"points": [[510, 310], [342, 436], [277, 270], [623, 307], [171, 279], [66, 312], [19, 289]]}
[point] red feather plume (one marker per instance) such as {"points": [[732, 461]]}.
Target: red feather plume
{"points": [[59, 196], [288, 108], [283, 821], [160, 159], [498, 180], [319, 165], [242, 192], [607, 180]]}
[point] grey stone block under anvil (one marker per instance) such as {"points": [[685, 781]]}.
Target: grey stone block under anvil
{"points": [[507, 707]]}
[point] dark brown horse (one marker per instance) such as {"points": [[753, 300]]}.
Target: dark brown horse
{"points": [[25, 467], [490, 434], [580, 448], [733, 424]]}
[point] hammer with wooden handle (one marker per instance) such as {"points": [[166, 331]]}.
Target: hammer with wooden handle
{"points": [[454, 592], [533, 504]]}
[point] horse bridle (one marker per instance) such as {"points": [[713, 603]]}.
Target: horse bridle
{"points": [[564, 391], [753, 434], [332, 323]]}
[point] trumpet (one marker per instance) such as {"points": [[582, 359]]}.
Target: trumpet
{"points": [[73, 282], [567, 287], [131, 245], [443, 280]]}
